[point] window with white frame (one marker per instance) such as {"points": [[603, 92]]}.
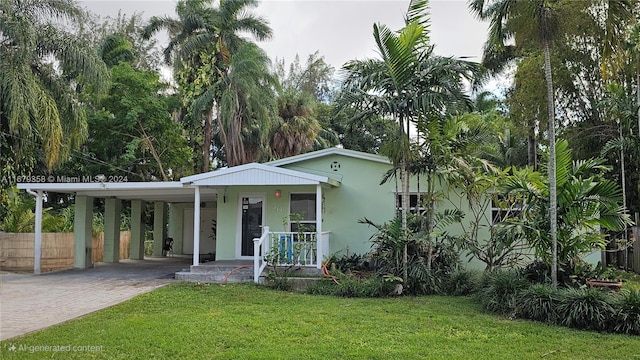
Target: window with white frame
{"points": [[303, 206], [415, 206], [502, 209]]}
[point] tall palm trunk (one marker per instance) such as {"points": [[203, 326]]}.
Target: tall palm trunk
{"points": [[430, 218], [404, 178], [553, 204], [531, 147], [624, 198], [638, 96], [207, 138], [236, 155]]}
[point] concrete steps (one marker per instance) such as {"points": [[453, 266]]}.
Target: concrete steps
{"points": [[234, 272]]}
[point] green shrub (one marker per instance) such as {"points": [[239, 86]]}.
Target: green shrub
{"points": [[353, 262], [630, 280], [278, 281], [539, 302], [585, 308], [627, 319], [322, 287], [148, 247], [508, 292], [430, 259], [349, 286], [461, 282], [372, 287], [537, 272], [501, 290]]}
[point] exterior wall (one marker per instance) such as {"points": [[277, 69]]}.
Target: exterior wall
{"points": [[275, 210], [359, 195], [178, 223], [457, 200]]}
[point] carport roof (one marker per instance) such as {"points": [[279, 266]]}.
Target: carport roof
{"points": [[170, 191], [184, 190]]}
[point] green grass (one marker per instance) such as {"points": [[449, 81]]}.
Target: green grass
{"points": [[187, 321]]}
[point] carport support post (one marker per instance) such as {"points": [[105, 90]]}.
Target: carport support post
{"points": [[37, 249], [112, 230], [159, 226], [136, 246], [82, 234], [319, 248], [196, 227]]}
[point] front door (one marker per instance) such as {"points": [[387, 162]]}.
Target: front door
{"points": [[252, 208]]}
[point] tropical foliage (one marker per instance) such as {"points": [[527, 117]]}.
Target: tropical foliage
{"points": [[203, 42], [79, 95], [430, 261], [42, 68], [587, 203], [408, 84]]}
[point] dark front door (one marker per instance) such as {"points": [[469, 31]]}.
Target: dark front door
{"points": [[251, 222]]}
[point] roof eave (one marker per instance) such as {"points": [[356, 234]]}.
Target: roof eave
{"points": [[327, 152]]}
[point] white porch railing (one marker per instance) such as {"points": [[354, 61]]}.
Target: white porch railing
{"points": [[261, 246], [289, 248], [323, 247]]}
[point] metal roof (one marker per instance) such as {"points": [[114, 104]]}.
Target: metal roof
{"points": [[327, 152], [257, 174], [172, 191], [184, 190]]}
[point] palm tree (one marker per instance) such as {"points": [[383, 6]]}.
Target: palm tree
{"points": [[634, 51], [114, 48], [205, 31], [587, 203], [618, 16], [529, 21], [408, 84], [538, 22], [42, 67], [246, 106], [506, 150], [297, 127]]}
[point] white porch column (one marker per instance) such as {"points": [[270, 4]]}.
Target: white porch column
{"points": [[196, 227], [37, 250], [82, 224], [319, 225]]}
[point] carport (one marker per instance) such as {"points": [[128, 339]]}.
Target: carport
{"points": [[160, 193]]}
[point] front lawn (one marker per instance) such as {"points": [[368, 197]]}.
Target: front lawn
{"points": [[187, 321]]}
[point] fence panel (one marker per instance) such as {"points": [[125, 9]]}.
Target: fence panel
{"points": [[16, 250]]}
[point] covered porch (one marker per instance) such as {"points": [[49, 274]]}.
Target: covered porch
{"points": [[243, 203], [254, 223]]}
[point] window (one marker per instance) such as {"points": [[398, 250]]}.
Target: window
{"points": [[413, 203], [304, 206], [502, 210]]}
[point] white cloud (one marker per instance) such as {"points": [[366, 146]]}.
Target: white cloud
{"points": [[340, 29]]}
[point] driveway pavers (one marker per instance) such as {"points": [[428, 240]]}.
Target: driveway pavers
{"points": [[33, 302]]}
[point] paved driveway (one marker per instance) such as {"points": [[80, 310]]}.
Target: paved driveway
{"points": [[33, 302]]}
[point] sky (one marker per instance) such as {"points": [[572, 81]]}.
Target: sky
{"points": [[341, 30]]}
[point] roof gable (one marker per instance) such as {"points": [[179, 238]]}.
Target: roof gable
{"points": [[256, 174], [327, 152]]}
